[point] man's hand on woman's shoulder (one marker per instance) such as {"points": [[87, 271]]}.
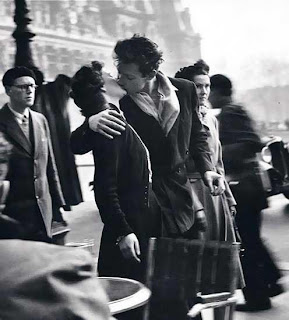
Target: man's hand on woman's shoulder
{"points": [[109, 123]]}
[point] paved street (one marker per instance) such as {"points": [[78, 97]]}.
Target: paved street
{"points": [[86, 224]]}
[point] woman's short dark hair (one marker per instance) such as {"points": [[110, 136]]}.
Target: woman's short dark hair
{"points": [[14, 73], [141, 51], [222, 84], [199, 68], [87, 89]]}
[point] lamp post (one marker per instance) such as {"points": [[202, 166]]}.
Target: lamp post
{"points": [[23, 35]]}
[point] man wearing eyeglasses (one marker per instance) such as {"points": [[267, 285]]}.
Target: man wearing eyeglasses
{"points": [[34, 184]]}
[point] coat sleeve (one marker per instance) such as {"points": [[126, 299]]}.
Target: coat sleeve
{"points": [[52, 173], [238, 136], [199, 148], [221, 170], [107, 155], [79, 141]]}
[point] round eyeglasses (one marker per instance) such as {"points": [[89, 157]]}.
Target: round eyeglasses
{"points": [[25, 87]]}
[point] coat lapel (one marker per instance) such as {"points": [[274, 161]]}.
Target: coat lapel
{"points": [[13, 129], [37, 132]]}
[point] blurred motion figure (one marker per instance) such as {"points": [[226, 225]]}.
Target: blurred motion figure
{"points": [[241, 143]]}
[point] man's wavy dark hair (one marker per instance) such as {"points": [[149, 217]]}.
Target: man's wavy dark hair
{"points": [[139, 50], [189, 72], [86, 89]]}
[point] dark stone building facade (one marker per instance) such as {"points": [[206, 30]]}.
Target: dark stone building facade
{"points": [[72, 32]]}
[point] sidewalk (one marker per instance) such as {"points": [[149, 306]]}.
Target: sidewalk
{"points": [[280, 306], [85, 224]]}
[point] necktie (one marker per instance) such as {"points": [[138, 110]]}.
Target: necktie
{"points": [[25, 126]]}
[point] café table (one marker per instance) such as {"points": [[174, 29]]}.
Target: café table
{"points": [[124, 294]]}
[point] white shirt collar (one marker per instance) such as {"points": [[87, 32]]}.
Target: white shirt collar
{"points": [[19, 116]]}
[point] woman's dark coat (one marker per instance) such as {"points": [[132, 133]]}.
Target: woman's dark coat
{"points": [[121, 185]]}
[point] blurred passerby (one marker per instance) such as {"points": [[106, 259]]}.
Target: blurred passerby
{"points": [[9, 228], [241, 143], [34, 183], [52, 101]]}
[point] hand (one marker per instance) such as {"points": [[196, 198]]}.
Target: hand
{"points": [[129, 247], [201, 220], [108, 123], [215, 182], [233, 211]]}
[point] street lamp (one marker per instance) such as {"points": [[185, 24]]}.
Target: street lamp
{"points": [[23, 36]]}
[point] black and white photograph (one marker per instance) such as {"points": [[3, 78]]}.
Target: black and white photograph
{"points": [[144, 160]]}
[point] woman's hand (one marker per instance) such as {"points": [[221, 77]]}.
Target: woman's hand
{"points": [[215, 182], [129, 247], [108, 123]]}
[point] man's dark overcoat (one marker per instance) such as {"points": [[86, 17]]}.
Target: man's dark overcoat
{"points": [[169, 153]]}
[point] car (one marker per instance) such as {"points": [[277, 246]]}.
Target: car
{"points": [[274, 164]]}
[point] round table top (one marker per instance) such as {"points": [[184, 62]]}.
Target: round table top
{"points": [[124, 294]]}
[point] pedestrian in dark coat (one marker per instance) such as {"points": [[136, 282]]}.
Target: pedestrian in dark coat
{"points": [[241, 143], [51, 100], [9, 228]]}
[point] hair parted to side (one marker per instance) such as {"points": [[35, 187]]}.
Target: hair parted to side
{"points": [[87, 89], [14, 73], [139, 50], [189, 72], [222, 84]]}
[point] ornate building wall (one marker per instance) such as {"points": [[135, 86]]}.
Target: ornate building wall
{"points": [[72, 32]]}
